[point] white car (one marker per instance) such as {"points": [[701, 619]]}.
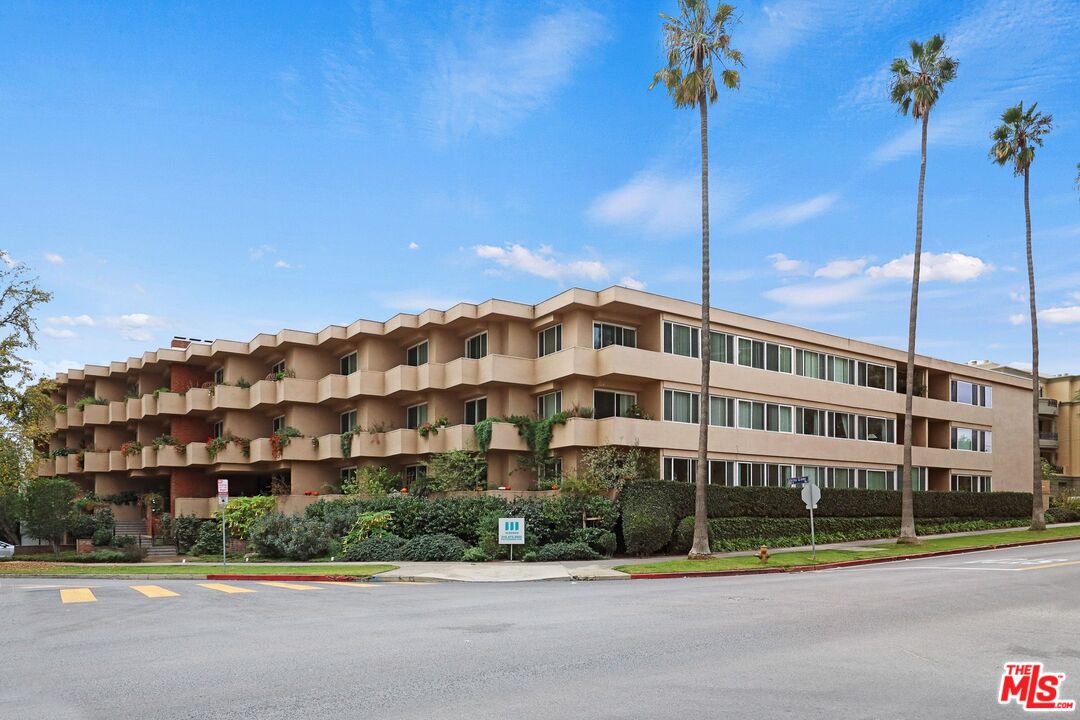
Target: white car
{"points": [[6, 550]]}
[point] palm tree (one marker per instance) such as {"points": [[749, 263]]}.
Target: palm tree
{"points": [[698, 44], [1014, 145], [916, 86]]}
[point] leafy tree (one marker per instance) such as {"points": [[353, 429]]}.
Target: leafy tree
{"points": [[916, 87], [1015, 140], [13, 473], [456, 470], [47, 505], [698, 45], [611, 466], [18, 298]]}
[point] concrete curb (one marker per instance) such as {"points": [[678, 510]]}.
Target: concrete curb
{"points": [[841, 564]]}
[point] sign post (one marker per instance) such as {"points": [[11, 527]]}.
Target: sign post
{"points": [[223, 499], [511, 532], [811, 493]]}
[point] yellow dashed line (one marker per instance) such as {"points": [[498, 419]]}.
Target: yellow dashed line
{"points": [[77, 595], [289, 586], [220, 587], [1055, 565], [153, 591]]}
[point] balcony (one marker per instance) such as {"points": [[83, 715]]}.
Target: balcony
{"points": [[1048, 406], [1048, 440]]}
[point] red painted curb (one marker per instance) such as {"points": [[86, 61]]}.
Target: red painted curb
{"points": [[290, 578], [841, 564]]}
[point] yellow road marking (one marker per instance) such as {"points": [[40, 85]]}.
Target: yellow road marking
{"points": [[1044, 567], [77, 595], [153, 591], [221, 587], [289, 586]]}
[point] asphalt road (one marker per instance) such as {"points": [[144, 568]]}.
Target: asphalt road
{"points": [[917, 639]]}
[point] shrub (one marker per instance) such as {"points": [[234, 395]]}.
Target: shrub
{"points": [[530, 556], [601, 541], [373, 481], [369, 524], [288, 536], [566, 551], [646, 532], [475, 554], [208, 540], [1063, 514], [81, 526], [437, 547], [612, 466], [379, 548], [186, 531], [102, 537], [456, 470], [242, 512], [123, 541]]}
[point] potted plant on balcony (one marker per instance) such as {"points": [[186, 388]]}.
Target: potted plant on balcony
{"points": [[280, 440]]}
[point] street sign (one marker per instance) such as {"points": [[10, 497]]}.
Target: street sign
{"points": [[222, 499], [223, 486], [511, 531], [810, 495], [799, 480]]}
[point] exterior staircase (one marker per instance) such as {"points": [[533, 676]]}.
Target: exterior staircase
{"points": [[137, 528]]}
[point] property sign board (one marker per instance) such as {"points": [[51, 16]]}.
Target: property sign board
{"points": [[511, 531]]}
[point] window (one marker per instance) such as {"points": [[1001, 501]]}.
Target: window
{"points": [[722, 472], [475, 410], [918, 478], [219, 376], [348, 421], [604, 334], [778, 418], [609, 403], [877, 479], [972, 394], [417, 355], [752, 353], [778, 358], [813, 474], [877, 429], [414, 474], [721, 347], [549, 341], [416, 416], [278, 423], [347, 475], [549, 404], [476, 346], [551, 470], [681, 339], [840, 478], [974, 440], [841, 370], [347, 364], [751, 415], [810, 364], [778, 475], [679, 469], [680, 406], [970, 483], [842, 426], [217, 429], [751, 474], [277, 368], [722, 411], [810, 422], [877, 376]]}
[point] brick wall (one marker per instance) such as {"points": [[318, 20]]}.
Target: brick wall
{"points": [[189, 429], [184, 377], [187, 483]]}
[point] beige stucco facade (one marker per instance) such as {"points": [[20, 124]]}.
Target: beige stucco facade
{"points": [[800, 401]]}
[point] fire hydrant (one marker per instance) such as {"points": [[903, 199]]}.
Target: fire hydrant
{"points": [[763, 554]]}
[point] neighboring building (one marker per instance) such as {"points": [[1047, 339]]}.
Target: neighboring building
{"points": [[785, 401], [1059, 424]]}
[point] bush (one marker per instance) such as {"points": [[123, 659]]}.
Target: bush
{"points": [[1063, 515], [208, 541], [437, 547], [379, 548], [475, 554], [645, 532], [123, 541], [566, 551], [456, 470], [186, 531], [242, 512], [288, 536], [102, 537], [81, 526], [601, 541], [369, 524], [530, 556]]}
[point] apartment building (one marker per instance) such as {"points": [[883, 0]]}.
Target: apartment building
{"points": [[785, 401], [1059, 424]]}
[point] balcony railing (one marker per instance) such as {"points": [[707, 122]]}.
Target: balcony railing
{"points": [[1048, 436]]}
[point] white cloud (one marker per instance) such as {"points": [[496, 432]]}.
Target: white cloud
{"points": [[821, 294], [651, 202], [950, 266], [542, 262], [790, 214], [782, 263], [69, 320], [413, 246], [138, 288], [1066, 315], [59, 332], [416, 301], [54, 258], [1017, 297], [140, 327], [631, 282], [1017, 319], [487, 81], [258, 252], [49, 369], [841, 268], [285, 266]]}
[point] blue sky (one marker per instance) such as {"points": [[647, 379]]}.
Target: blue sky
{"points": [[223, 169]]}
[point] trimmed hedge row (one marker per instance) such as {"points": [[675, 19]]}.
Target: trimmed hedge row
{"points": [[729, 534], [652, 509]]}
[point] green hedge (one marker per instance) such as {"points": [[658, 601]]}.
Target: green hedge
{"points": [[651, 509], [729, 534]]}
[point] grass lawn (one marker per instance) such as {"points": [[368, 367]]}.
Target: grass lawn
{"points": [[46, 568], [790, 559]]}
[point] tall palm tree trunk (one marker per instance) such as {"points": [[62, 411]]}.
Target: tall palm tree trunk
{"points": [[907, 510], [1038, 520], [700, 547]]}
